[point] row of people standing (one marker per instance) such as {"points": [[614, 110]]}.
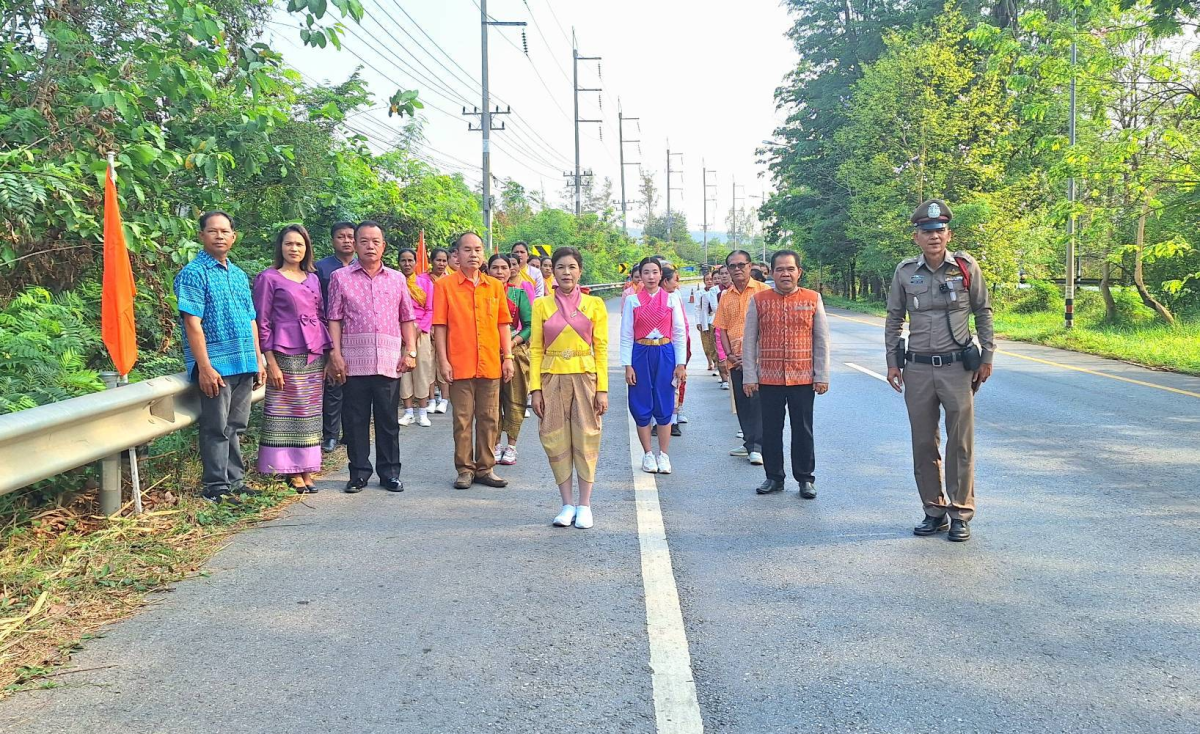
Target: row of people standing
{"points": [[355, 335]]}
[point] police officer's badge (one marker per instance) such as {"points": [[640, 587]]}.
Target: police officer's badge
{"points": [[934, 211]]}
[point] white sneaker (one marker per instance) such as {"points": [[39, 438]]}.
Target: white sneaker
{"points": [[566, 517], [407, 419], [423, 421], [682, 418], [508, 457], [441, 406], [583, 517], [497, 453], [739, 451], [528, 413], [740, 434], [756, 458], [724, 385], [664, 463], [649, 463]]}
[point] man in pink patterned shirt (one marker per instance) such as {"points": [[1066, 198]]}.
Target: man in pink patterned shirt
{"points": [[371, 322]]}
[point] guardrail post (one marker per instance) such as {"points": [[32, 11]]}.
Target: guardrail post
{"points": [[110, 466]]}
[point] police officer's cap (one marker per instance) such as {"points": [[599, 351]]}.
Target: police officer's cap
{"points": [[933, 214]]}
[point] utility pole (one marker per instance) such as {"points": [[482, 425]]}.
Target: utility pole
{"points": [[1069, 295], [579, 173], [670, 221], [707, 186], [733, 213], [621, 118], [485, 122]]}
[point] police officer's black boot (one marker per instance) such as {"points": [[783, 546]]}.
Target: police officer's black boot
{"points": [[769, 486], [960, 531], [931, 525], [808, 491]]}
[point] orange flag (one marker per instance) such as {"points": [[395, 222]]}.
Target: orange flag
{"points": [[116, 300], [422, 255]]}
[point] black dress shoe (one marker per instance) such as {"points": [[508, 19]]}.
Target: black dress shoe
{"points": [[808, 491], [354, 486], [931, 525], [675, 430], [392, 485], [769, 486], [960, 531], [329, 445]]}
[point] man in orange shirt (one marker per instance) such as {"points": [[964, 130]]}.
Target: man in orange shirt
{"points": [[731, 320], [474, 352]]}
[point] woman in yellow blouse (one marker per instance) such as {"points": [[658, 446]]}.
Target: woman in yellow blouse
{"points": [[568, 382]]}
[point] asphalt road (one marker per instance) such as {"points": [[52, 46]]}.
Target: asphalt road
{"points": [[1073, 609]]}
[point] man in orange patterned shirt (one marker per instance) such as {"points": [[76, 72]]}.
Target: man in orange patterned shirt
{"points": [[785, 358]]}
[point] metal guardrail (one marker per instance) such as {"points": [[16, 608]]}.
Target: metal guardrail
{"points": [[42, 442], [45, 441]]}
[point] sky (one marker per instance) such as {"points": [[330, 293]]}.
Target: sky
{"points": [[700, 75]]}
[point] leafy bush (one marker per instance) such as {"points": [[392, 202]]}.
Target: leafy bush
{"points": [[1039, 297], [44, 344]]}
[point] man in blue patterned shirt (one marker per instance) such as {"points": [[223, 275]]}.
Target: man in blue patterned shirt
{"points": [[221, 352]]}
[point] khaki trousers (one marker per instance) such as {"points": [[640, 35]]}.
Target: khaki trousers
{"points": [[478, 402], [513, 394], [927, 390], [416, 383]]}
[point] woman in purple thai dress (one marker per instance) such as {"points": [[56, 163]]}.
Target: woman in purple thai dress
{"points": [[294, 339]]}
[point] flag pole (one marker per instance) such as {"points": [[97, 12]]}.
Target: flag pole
{"points": [[134, 478]]}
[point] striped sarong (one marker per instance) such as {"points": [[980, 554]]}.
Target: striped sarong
{"points": [[290, 441]]}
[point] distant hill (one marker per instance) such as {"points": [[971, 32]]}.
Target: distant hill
{"points": [[697, 234]]}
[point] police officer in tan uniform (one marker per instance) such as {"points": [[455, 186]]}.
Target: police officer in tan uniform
{"points": [[941, 366]]}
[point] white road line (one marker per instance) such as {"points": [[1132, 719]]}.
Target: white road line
{"points": [[676, 707], [866, 371]]}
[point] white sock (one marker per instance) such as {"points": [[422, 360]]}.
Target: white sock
{"points": [[422, 412], [674, 418], [408, 411]]}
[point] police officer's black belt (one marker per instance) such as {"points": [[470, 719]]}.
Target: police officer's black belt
{"points": [[937, 360]]}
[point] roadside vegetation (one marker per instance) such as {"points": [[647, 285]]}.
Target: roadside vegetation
{"points": [[1036, 315]]}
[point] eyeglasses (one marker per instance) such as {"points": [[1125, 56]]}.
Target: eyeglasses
{"points": [[739, 266]]}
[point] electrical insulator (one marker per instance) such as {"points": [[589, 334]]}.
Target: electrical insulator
{"points": [[524, 42]]}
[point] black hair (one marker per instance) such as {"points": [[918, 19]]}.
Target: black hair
{"points": [[758, 275], [306, 264], [214, 213], [438, 251], [539, 258], [338, 227], [637, 268], [784, 253], [652, 260], [739, 252], [562, 252], [492, 259], [668, 272], [370, 223], [520, 243], [403, 250]]}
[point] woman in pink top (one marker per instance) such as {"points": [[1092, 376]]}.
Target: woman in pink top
{"points": [[287, 298]]}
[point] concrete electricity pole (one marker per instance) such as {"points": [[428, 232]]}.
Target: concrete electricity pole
{"points": [[1069, 290], [579, 173], [670, 221], [485, 122], [621, 118], [733, 214], [707, 186]]}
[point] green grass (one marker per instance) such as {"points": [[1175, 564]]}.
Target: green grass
{"points": [[1150, 344]]}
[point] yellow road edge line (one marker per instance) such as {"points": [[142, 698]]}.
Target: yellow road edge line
{"points": [[1084, 370]]}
